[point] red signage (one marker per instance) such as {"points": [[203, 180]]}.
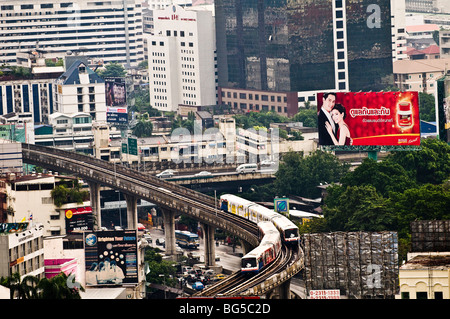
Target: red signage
{"points": [[368, 118]]}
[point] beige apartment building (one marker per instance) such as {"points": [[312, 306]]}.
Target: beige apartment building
{"points": [[425, 276], [244, 100], [419, 75]]}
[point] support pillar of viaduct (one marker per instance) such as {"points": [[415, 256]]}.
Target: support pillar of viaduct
{"points": [[131, 211], [283, 291], [210, 248], [94, 192], [169, 229]]}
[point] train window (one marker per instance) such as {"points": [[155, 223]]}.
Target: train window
{"points": [[291, 233], [248, 262]]}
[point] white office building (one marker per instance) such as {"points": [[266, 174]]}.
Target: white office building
{"points": [[181, 58], [104, 30], [80, 89]]}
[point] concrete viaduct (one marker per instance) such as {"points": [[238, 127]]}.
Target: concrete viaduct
{"points": [[173, 199]]}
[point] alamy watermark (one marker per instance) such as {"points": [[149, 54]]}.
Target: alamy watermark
{"points": [[233, 146], [374, 19], [374, 276]]}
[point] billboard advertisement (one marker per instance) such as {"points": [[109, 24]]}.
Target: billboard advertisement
{"points": [[78, 219], [368, 118], [116, 100], [111, 257]]}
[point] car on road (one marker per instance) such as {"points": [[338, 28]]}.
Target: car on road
{"points": [[266, 163], [166, 174], [203, 173], [218, 277], [247, 168], [148, 238], [198, 286], [160, 242]]}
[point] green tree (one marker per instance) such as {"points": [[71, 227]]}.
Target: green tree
{"points": [[427, 202], [112, 70], [385, 176], [427, 109], [357, 208], [21, 288], [308, 116], [57, 288], [298, 175], [429, 165], [143, 129], [68, 193], [161, 271]]}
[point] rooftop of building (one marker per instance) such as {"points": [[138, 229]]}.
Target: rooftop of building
{"points": [[72, 75], [422, 28], [421, 66], [436, 262]]}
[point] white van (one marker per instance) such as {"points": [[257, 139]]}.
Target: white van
{"points": [[247, 168]]}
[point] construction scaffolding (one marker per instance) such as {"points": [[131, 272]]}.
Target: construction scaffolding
{"points": [[362, 265], [430, 235]]}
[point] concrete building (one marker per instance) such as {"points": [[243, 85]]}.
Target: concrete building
{"points": [[29, 197], [181, 58], [80, 89], [423, 31], [414, 75], [10, 158], [30, 92], [398, 30], [22, 249], [425, 276], [104, 30], [244, 100], [444, 43], [428, 6], [304, 46]]}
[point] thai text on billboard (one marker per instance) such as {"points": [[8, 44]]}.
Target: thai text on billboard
{"points": [[368, 118], [111, 257]]}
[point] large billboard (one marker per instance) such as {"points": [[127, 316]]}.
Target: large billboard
{"points": [[368, 118], [111, 257], [116, 100]]}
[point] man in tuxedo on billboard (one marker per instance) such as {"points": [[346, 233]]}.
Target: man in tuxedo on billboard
{"points": [[329, 99]]}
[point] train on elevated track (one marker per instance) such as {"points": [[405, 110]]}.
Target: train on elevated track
{"points": [[270, 245]]}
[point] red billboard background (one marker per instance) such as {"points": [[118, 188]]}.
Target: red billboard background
{"points": [[380, 118]]}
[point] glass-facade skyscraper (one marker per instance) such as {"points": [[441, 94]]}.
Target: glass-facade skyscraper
{"points": [[304, 45]]}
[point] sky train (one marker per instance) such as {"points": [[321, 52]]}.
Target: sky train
{"points": [[266, 252], [257, 213], [274, 230]]}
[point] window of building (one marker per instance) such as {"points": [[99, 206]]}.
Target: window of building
{"points": [[421, 295], [438, 295]]}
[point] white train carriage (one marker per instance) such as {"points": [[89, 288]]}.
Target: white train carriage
{"points": [[257, 213], [266, 252], [289, 231]]}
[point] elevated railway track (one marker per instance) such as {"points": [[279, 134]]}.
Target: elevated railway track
{"points": [[169, 196]]}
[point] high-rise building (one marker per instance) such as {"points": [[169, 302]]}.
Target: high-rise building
{"points": [[305, 45], [181, 58], [104, 30]]}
